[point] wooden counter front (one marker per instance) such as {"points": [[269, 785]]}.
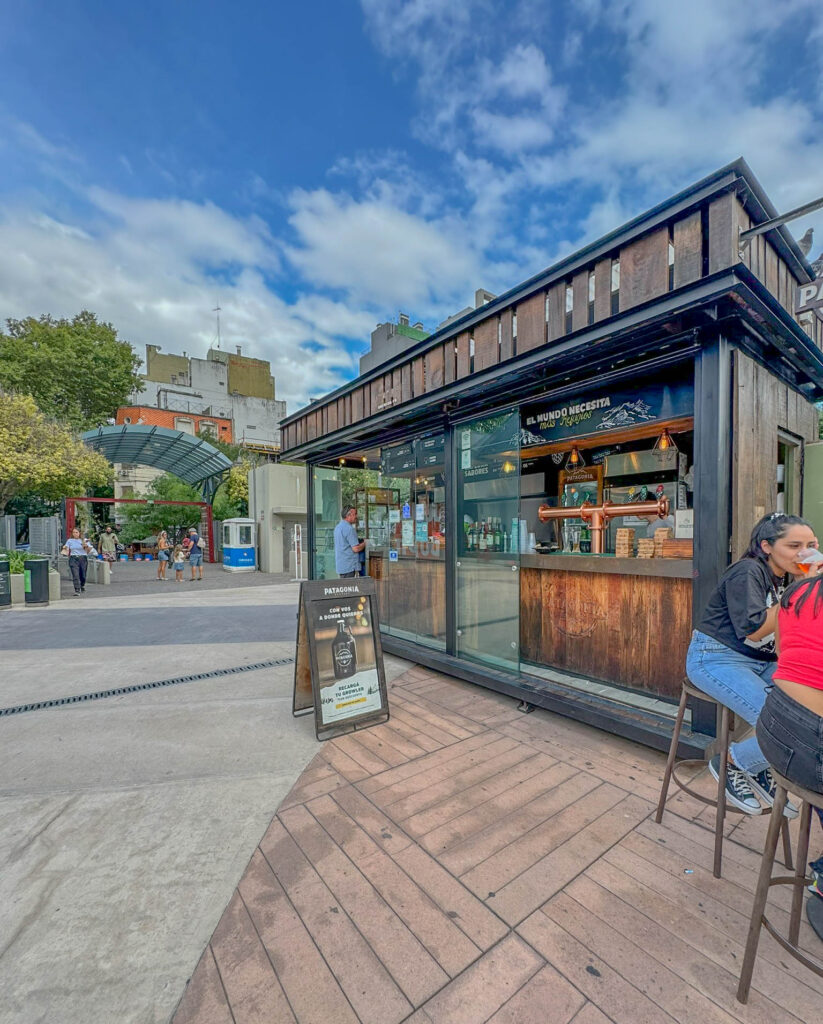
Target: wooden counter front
{"points": [[623, 628], [411, 594]]}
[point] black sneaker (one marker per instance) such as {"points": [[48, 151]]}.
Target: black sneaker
{"points": [[738, 787], [765, 787]]}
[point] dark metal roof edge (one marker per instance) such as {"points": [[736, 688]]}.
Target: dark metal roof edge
{"points": [[698, 192], [751, 288], [781, 237], [703, 292]]}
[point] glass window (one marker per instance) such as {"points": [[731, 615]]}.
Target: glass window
{"points": [[490, 536], [789, 452], [245, 535], [326, 515], [615, 295], [226, 535]]}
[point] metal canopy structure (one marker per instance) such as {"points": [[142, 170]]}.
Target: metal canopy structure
{"points": [[173, 451]]}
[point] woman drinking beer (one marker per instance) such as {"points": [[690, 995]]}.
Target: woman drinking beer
{"points": [[732, 652]]}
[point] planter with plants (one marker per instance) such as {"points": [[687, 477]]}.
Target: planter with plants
{"points": [[16, 560]]}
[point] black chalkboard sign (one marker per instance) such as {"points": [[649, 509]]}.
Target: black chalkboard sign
{"points": [[338, 671]]}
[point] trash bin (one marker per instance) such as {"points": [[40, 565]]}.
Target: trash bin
{"points": [[36, 573], [5, 584]]}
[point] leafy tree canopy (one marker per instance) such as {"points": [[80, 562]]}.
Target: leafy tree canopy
{"points": [[139, 521], [41, 456], [77, 370]]}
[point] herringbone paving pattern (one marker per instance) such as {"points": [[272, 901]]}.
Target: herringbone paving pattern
{"points": [[465, 864]]}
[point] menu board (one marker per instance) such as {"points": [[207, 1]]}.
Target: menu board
{"points": [[399, 459], [338, 670]]}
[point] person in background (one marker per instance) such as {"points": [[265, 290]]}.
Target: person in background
{"points": [[163, 548], [179, 563], [656, 523], [347, 545], [732, 652], [78, 549], [790, 726], [107, 545], [195, 553]]}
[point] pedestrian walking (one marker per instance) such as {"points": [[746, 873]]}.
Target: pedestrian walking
{"points": [[107, 545], [347, 547], [78, 549], [163, 547], [195, 553]]}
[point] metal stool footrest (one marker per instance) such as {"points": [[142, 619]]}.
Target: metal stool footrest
{"points": [[811, 962]]}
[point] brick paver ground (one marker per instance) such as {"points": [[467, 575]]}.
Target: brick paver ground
{"points": [[465, 864]]}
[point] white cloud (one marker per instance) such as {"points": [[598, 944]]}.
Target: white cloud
{"points": [[160, 286], [644, 98], [376, 253]]}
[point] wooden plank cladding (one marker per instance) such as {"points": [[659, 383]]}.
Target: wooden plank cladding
{"points": [[435, 376], [531, 323], [485, 344], [697, 239], [462, 346], [763, 406], [688, 250], [644, 269], [629, 630], [557, 311], [411, 595]]}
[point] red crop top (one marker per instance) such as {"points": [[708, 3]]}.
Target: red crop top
{"points": [[801, 643]]}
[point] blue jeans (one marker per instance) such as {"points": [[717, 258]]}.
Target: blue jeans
{"points": [[737, 681]]}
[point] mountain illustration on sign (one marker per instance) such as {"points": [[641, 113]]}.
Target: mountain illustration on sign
{"points": [[527, 438], [625, 414]]}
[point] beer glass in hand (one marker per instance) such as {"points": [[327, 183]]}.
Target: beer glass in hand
{"points": [[809, 561]]}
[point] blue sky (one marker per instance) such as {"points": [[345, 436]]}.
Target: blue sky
{"points": [[316, 168]]}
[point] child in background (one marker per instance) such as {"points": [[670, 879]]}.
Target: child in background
{"points": [[178, 563]]}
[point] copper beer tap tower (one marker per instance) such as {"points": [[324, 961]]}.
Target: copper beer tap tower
{"points": [[599, 515]]}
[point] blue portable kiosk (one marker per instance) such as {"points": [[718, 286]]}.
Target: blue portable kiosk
{"points": [[239, 554]]}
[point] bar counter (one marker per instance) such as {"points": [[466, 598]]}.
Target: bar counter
{"points": [[622, 620], [672, 568]]}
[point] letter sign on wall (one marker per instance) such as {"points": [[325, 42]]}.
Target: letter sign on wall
{"points": [[809, 296]]}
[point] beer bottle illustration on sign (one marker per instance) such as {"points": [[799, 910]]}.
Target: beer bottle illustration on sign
{"points": [[343, 652]]}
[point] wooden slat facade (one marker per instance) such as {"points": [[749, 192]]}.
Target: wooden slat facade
{"points": [[763, 405], [644, 269], [531, 323], [705, 239], [627, 630]]}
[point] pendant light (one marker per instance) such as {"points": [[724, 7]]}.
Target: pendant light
{"points": [[665, 443], [575, 459]]}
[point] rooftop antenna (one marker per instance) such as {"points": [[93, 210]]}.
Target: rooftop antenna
{"points": [[217, 310]]}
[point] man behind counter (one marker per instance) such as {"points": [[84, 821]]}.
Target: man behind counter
{"points": [[346, 546]]}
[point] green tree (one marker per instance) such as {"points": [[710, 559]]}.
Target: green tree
{"points": [[139, 521], [42, 457], [78, 371]]}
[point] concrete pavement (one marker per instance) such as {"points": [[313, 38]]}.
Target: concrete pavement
{"points": [[126, 823]]}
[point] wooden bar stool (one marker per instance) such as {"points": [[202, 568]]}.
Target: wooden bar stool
{"points": [[798, 880], [672, 769]]}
